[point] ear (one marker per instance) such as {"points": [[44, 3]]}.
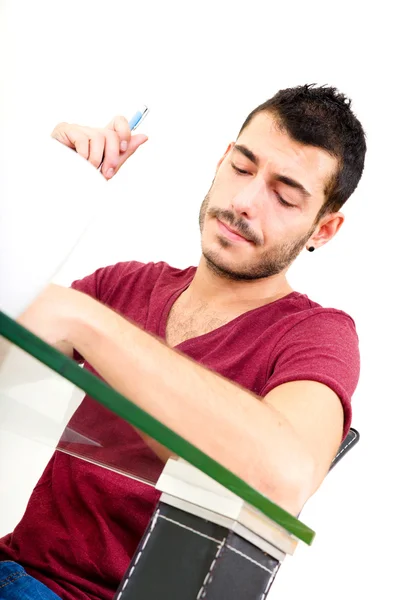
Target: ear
{"points": [[229, 148], [326, 229]]}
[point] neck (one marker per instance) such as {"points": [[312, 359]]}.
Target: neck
{"points": [[213, 289]]}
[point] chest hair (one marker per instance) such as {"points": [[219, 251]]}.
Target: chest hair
{"points": [[186, 324]]}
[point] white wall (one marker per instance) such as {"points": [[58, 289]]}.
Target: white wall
{"points": [[201, 68]]}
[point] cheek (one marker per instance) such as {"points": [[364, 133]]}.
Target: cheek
{"points": [[274, 220], [280, 225], [222, 192]]}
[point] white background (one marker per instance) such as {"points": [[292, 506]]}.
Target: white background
{"points": [[201, 68]]}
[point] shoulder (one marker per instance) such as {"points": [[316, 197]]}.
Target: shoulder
{"points": [[153, 273], [302, 315], [318, 338], [311, 334], [320, 344], [126, 275]]}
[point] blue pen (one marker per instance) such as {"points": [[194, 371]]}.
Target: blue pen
{"points": [[138, 117]]}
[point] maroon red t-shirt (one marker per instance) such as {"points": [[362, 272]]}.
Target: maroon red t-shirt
{"points": [[83, 522]]}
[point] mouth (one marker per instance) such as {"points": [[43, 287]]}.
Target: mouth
{"points": [[230, 233]]}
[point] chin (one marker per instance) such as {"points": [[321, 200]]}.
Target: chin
{"points": [[224, 266]]}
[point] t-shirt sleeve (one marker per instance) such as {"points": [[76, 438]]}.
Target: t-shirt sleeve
{"points": [[100, 285], [322, 347]]}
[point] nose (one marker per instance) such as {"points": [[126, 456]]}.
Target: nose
{"points": [[247, 202]]}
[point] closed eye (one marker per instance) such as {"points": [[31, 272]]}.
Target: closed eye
{"points": [[241, 171], [284, 203]]}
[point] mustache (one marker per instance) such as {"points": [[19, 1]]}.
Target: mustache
{"points": [[239, 224]]}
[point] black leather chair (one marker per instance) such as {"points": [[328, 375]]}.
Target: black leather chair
{"points": [[185, 557]]}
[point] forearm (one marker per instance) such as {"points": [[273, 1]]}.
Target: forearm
{"points": [[225, 421]]}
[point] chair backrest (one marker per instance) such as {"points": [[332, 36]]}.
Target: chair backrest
{"points": [[176, 553], [348, 443]]}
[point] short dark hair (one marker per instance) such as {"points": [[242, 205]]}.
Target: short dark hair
{"points": [[322, 117]]}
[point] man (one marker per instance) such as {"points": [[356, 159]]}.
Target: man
{"points": [[228, 355]]}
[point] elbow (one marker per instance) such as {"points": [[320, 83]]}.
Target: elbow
{"points": [[290, 485]]}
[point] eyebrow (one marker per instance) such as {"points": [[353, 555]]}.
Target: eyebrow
{"points": [[281, 178]]}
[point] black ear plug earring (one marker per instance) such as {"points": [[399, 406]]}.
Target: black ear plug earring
{"points": [[311, 249]]}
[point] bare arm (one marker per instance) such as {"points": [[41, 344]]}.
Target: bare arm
{"points": [[281, 445]]}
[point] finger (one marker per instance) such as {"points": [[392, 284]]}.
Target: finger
{"points": [[134, 143], [59, 134], [97, 144], [121, 126], [79, 139], [111, 154], [72, 136]]}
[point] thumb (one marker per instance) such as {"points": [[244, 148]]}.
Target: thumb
{"points": [[136, 141]]}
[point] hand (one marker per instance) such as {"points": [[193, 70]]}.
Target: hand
{"points": [[109, 147]]}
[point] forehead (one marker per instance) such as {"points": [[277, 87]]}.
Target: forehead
{"points": [[281, 154]]}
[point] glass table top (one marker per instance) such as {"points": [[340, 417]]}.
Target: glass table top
{"points": [[105, 428]]}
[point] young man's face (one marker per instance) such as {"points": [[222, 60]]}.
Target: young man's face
{"points": [[268, 189]]}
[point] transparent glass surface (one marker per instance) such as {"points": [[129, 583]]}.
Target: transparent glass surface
{"points": [[42, 397], [40, 405]]}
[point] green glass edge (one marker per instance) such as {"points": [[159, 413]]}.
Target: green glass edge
{"points": [[121, 406]]}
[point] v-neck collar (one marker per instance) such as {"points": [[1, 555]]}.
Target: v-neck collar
{"points": [[162, 324]]}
